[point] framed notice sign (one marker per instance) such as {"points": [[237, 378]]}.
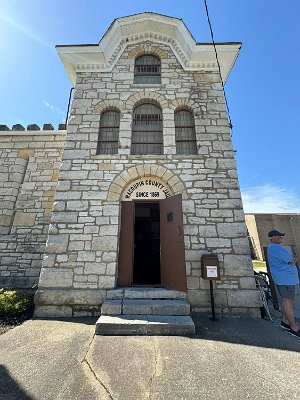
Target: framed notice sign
{"points": [[211, 271], [210, 267]]}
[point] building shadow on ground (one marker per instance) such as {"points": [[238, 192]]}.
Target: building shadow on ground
{"points": [[75, 320], [246, 331], [10, 388]]}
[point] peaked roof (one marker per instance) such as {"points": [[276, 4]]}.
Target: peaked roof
{"points": [[159, 29]]}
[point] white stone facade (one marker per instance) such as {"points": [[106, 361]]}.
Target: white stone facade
{"points": [[81, 254]]}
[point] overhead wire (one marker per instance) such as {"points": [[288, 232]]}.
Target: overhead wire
{"points": [[218, 63]]}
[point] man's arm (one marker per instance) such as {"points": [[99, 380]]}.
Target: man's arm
{"points": [[284, 255]]}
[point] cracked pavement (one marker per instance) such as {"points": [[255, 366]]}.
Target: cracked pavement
{"points": [[228, 359]]}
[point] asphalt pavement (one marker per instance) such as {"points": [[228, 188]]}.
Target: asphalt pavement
{"points": [[232, 358]]}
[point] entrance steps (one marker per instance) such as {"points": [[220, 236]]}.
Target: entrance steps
{"points": [[145, 311]]}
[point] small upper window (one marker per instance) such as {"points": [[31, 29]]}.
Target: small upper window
{"points": [[185, 134], [147, 69], [109, 132]]}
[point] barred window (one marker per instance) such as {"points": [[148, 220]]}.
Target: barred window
{"points": [[109, 132], [147, 130], [147, 69], [185, 134]]}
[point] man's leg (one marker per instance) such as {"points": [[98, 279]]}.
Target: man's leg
{"points": [[288, 313]]}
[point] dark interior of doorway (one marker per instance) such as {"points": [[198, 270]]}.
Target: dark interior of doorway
{"points": [[146, 270]]}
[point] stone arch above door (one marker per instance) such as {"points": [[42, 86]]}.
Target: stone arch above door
{"points": [[125, 178]]}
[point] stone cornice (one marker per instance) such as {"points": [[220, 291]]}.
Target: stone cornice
{"points": [[148, 27]]}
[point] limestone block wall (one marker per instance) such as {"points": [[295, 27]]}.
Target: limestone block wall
{"points": [[81, 253], [29, 166]]}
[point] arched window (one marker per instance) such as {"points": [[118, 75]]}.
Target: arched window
{"points": [[109, 132], [147, 131], [185, 135], [147, 69]]}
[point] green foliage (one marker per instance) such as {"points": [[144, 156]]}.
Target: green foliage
{"points": [[259, 265], [12, 302]]}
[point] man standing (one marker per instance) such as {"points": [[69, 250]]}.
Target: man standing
{"points": [[285, 275]]}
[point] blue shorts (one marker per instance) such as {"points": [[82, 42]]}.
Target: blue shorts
{"points": [[287, 291]]}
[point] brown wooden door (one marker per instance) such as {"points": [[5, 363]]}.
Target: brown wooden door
{"points": [[173, 273], [125, 264]]}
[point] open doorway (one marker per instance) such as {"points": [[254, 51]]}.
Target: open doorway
{"points": [[146, 269], [151, 251]]}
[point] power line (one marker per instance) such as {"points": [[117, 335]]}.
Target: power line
{"points": [[216, 53]]}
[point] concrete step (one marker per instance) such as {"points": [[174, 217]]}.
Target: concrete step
{"points": [[145, 311], [145, 306], [145, 325], [144, 293]]}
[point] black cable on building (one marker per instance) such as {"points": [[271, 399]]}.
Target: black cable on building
{"points": [[216, 53]]}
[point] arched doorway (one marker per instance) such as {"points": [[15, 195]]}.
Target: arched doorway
{"points": [[151, 249]]}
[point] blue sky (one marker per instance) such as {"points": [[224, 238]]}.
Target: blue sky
{"points": [[262, 90]]}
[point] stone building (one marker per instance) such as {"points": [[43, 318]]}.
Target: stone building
{"points": [[141, 184]]}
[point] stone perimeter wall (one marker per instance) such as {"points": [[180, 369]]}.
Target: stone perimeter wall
{"points": [[29, 167], [81, 254]]}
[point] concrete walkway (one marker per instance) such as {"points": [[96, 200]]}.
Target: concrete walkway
{"points": [[228, 359]]}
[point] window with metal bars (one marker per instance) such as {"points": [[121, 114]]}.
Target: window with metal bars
{"points": [[147, 69], [185, 134], [147, 130], [109, 132]]}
